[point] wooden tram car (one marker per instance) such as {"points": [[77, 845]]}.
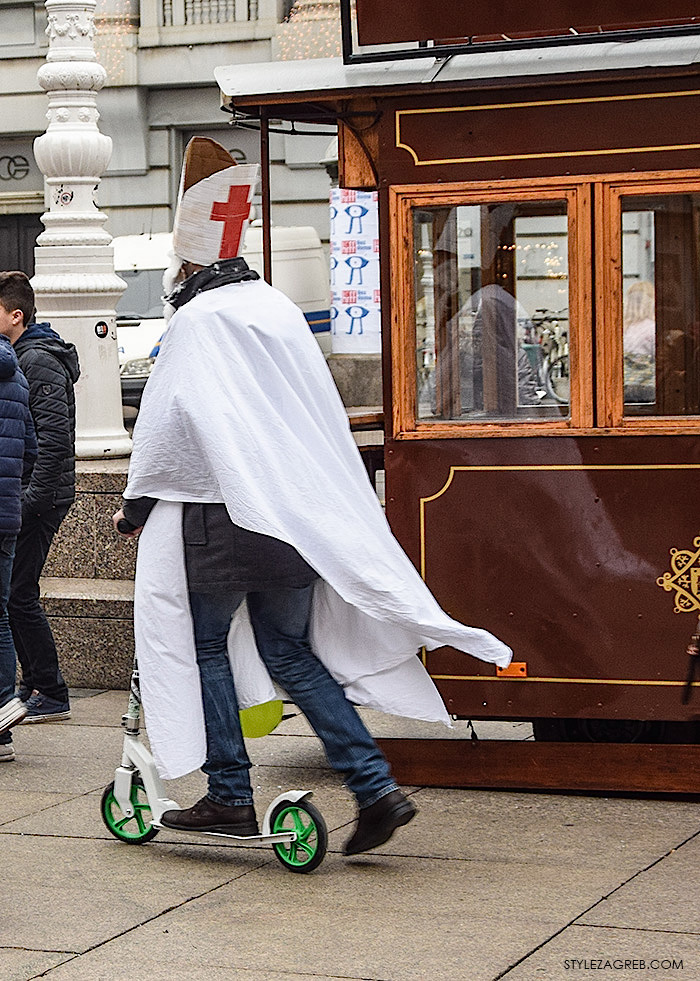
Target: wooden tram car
{"points": [[542, 446]]}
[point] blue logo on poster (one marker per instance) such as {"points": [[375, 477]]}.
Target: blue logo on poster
{"points": [[355, 212], [356, 313], [355, 263]]}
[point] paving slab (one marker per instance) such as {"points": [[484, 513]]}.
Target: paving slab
{"points": [[481, 885], [102, 964], [53, 773], [90, 891], [102, 708], [17, 804], [78, 816], [71, 817], [653, 899], [291, 751], [63, 740], [626, 955], [570, 831], [19, 965], [392, 919]]}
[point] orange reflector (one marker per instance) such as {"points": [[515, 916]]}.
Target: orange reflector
{"points": [[516, 669]]}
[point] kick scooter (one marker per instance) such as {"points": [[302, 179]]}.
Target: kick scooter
{"points": [[133, 804]]}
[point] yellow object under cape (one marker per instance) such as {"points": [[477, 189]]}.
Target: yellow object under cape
{"points": [[260, 720]]}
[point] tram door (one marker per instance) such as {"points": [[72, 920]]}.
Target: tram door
{"points": [[544, 465]]}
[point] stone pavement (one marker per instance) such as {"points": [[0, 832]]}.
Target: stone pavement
{"points": [[482, 885]]}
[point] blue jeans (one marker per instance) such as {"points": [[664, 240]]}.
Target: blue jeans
{"points": [[280, 620], [8, 655]]}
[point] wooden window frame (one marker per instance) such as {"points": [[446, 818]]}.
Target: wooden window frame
{"points": [[594, 215], [608, 210], [403, 199]]}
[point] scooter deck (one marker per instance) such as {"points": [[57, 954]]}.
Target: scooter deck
{"points": [[283, 837]]}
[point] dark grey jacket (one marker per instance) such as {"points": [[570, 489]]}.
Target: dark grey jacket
{"points": [[220, 555], [51, 368]]}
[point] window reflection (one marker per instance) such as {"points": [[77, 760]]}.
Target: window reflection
{"points": [[660, 316], [639, 343], [491, 287]]}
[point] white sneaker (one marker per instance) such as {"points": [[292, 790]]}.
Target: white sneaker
{"points": [[7, 753], [11, 713]]}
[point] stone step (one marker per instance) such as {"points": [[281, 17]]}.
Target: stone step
{"points": [[88, 597], [92, 621]]}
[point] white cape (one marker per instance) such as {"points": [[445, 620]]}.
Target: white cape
{"points": [[241, 408]]}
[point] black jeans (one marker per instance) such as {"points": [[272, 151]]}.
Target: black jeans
{"points": [[36, 648]]}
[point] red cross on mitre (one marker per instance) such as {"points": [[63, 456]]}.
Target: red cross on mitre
{"points": [[233, 212]]}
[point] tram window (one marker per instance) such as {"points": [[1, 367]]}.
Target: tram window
{"points": [[491, 288], [660, 304]]}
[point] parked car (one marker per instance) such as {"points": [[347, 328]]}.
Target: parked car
{"points": [[299, 269]]}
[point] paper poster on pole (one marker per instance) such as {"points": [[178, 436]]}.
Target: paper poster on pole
{"points": [[354, 259]]}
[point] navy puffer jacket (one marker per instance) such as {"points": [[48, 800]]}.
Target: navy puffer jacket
{"points": [[18, 447], [51, 367]]}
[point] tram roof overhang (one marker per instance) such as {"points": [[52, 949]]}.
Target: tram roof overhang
{"points": [[294, 87], [327, 91]]}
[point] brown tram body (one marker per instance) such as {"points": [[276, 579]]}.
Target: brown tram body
{"points": [[574, 535]]}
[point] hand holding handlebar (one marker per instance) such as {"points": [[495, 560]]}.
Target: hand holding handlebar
{"points": [[124, 526]]}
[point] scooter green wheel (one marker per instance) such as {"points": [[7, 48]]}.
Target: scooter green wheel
{"points": [[135, 830], [307, 852]]}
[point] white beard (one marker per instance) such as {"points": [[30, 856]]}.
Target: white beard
{"points": [[170, 276]]}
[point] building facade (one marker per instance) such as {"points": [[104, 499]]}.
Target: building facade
{"points": [[160, 57]]}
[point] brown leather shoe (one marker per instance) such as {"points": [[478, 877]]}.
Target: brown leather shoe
{"points": [[206, 815], [377, 823]]}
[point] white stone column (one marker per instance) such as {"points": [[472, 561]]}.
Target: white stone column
{"points": [[75, 283]]}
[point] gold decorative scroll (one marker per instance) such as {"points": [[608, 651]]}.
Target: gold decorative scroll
{"points": [[684, 578]]}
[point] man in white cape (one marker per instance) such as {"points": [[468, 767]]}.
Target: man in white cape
{"points": [[265, 553]]}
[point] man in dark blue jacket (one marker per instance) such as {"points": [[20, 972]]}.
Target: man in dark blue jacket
{"points": [[51, 369], [18, 452]]}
